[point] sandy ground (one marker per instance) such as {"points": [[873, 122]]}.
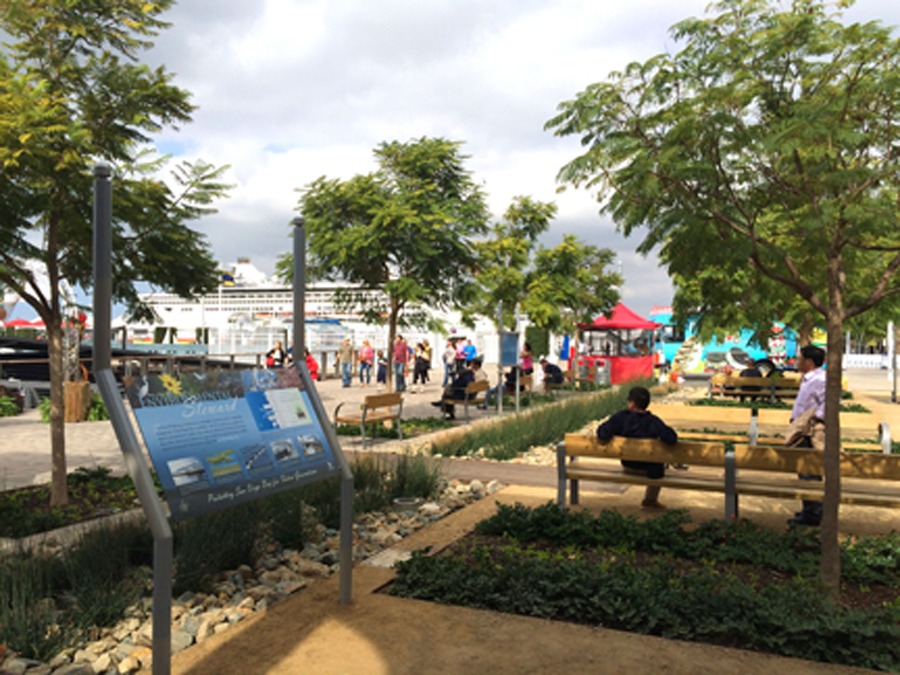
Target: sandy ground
{"points": [[312, 633]]}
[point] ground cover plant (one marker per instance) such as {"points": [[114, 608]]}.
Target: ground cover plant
{"points": [[732, 584], [542, 426], [53, 600], [93, 492], [412, 427], [758, 404], [96, 413]]}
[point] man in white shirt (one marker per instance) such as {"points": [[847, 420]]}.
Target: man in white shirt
{"points": [[811, 396]]}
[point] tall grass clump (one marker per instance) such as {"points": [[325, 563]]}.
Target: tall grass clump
{"points": [[543, 426], [414, 476], [218, 541], [47, 603]]}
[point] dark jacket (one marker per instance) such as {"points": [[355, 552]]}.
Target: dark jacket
{"points": [[638, 424]]}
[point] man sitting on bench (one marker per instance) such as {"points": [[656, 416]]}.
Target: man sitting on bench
{"points": [[636, 422], [552, 374], [456, 390]]}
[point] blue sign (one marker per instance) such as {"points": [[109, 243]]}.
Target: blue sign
{"points": [[222, 438], [509, 349]]}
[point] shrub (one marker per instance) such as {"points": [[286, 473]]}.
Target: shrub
{"points": [[9, 407], [546, 425]]}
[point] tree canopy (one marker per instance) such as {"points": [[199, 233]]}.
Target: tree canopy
{"points": [[73, 93], [406, 230], [555, 287], [769, 142]]}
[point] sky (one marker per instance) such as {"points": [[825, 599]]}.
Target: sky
{"points": [[291, 90]]}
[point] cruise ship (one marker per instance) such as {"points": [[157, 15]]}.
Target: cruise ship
{"points": [[250, 312]]}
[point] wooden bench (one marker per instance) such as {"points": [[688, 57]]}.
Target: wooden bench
{"points": [[476, 394], [765, 471], [567, 383], [773, 388], [741, 426], [375, 409]]}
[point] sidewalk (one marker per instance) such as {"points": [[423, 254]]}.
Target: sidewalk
{"points": [[25, 440]]}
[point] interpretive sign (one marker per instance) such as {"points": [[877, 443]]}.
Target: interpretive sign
{"points": [[225, 437], [509, 349]]}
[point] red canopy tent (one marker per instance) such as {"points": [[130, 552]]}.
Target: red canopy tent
{"points": [[622, 343], [22, 323]]}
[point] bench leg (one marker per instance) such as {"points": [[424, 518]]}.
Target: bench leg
{"points": [[362, 432], [731, 498], [561, 474]]}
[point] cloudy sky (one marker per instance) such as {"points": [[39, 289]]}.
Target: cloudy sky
{"points": [[290, 90]]}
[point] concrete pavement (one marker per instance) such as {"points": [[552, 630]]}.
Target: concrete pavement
{"points": [[25, 441]]}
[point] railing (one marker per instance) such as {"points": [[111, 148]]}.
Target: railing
{"points": [[870, 361]]}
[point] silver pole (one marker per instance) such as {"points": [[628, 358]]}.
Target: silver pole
{"points": [[131, 450], [500, 357], [346, 519]]}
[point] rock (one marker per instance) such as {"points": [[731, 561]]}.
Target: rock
{"points": [[429, 509], [75, 669], [221, 628], [129, 665], [103, 663], [181, 640], [14, 666], [190, 625], [59, 661], [310, 568], [205, 629], [245, 572], [477, 488], [42, 669]]}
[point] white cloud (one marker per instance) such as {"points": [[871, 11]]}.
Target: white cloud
{"points": [[289, 90]]}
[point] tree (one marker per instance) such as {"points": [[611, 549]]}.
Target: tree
{"points": [[73, 94], [404, 231], [570, 285], [556, 287], [772, 136], [505, 259]]}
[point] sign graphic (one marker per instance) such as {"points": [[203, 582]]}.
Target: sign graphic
{"points": [[509, 349], [224, 437]]}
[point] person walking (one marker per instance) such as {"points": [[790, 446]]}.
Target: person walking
{"points": [[420, 367], [808, 416], [366, 356], [345, 359], [527, 359], [381, 375], [275, 356], [449, 362], [401, 356]]}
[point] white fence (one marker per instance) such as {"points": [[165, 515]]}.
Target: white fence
{"points": [[869, 361]]}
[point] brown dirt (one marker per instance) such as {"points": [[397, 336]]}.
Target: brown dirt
{"points": [[377, 633]]}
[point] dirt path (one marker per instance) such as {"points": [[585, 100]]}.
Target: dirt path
{"points": [[312, 633]]}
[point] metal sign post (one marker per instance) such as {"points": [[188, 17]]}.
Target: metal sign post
{"points": [[500, 359], [131, 449], [346, 529], [892, 359]]}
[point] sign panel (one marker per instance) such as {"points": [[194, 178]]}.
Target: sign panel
{"points": [[509, 349], [224, 437]]}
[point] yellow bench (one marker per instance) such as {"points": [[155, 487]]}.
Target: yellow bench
{"points": [[376, 409], [475, 394], [584, 457]]}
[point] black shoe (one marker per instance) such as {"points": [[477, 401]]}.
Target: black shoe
{"points": [[437, 404], [804, 520]]}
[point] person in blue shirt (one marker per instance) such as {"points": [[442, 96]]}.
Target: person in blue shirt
{"points": [[469, 352], [636, 422]]}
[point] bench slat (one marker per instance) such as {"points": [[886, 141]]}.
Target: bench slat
{"points": [[804, 460], [646, 450]]}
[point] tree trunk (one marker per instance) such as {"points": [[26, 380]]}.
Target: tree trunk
{"points": [[804, 334], [831, 555], [392, 334], [59, 494]]}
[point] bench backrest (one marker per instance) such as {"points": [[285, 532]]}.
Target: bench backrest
{"points": [[382, 400], [645, 450], [863, 422], [806, 460], [671, 414], [476, 387]]}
